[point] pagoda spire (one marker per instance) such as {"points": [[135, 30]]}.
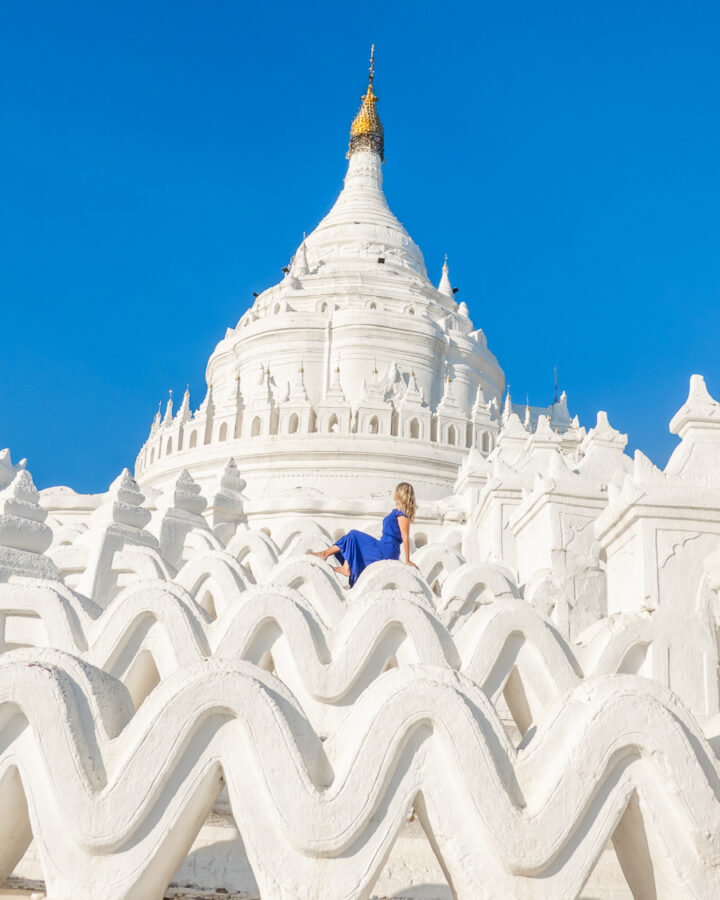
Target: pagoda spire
{"points": [[156, 420], [445, 287], [300, 264], [335, 391], [366, 132], [168, 411], [479, 403], [184, 414], [507, 409]]}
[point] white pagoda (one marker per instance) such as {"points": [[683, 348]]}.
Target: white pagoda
{"points": [[352, 373], [191, 705]]}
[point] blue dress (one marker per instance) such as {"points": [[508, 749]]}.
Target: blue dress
{"points": [[360, 549]]}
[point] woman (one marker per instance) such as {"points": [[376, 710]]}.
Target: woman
{"points": [[356, 550]]}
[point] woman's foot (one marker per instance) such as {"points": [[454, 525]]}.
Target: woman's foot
{"points": [[344, 569], [324, 554]]}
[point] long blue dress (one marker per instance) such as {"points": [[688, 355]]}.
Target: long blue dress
{"points": [[360, 549]]}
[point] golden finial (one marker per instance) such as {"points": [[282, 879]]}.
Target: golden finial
{"points": [[366, 132]]}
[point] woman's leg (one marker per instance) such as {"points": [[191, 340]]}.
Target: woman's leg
{"points": [[344, 569], [323, 554]]}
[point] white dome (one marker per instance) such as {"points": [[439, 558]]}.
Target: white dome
{"points": [[351, 373], [360, 228]]}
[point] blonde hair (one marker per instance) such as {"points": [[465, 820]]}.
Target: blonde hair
{"points": [[406, 499]]}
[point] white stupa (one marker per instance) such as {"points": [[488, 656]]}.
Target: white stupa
{"points": [[352, 372], [529, 710]]}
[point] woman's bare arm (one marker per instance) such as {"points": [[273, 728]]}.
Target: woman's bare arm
{"points": [[404, 524]]}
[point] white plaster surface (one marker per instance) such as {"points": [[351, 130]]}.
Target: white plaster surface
{"points": [[189, 702]]}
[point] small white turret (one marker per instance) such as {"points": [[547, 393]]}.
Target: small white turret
{"points": [[7, 469], [24, 536], [299, 265], [335, 391], [507, 408], [168, 412], [184, 414], [156, 420], [445, 287]]}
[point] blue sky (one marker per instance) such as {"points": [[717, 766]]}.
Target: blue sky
{"points": [[160, 162]]}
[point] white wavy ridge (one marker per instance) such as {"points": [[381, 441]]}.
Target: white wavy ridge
{"points": [[116, 796], [325, 649]]}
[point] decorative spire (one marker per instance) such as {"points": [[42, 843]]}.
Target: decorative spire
{"points": [[445, 287], [168, 411], [156, 420], [184, 414], [207, 407], [263, 390], [700, 410], [238, 393], [527, 421], [449, 400], [299, 264], [298, 394], [8, 471], [413, 395], [479, 405], [507, 409], [366, 132], [335, 391]]}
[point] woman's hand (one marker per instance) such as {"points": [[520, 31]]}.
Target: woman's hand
{"points": [[409, 563]]}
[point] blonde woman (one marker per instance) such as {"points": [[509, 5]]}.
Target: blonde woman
{"points": [[356, 550]]}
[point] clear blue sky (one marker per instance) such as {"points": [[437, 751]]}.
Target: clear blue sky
{"points": [[160, 162]]}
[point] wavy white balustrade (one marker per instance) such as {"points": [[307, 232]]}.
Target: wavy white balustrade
{"points": [[198, 658], [115, 797], [327, 650]]}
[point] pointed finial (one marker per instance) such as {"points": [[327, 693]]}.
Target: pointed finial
{"points": [[445, 287], [366, 132]]}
